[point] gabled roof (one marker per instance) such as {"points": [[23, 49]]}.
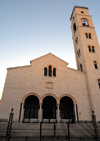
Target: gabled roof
{"points": [[37, 59], [48, 55]]}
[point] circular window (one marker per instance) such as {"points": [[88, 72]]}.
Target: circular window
{"points": [[82, 12]]}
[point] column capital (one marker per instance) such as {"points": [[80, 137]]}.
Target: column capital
{"points": [[58, 112], [40, 103]]}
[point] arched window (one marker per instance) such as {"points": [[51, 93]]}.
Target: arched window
{"points": [[76, 40], [78, 53], [95, 65], [54, 71], [90, 35], [74, 27], [45, 71], [84, 22], [81, 68], [86, 34], [50, 70], [93, 49], [89, 48], [99, 83]]}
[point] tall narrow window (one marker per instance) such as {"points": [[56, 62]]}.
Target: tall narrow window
{"points": [[89, 48], [45, 71], [76, 40], [93, 50], [74, 27], [50, 70], [54, 71], [86, 35], [95, 65], [99, 83], [79, 53], [81, 67], [90, 35]]}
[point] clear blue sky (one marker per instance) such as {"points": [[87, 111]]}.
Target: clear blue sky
{"points": [[32, 28]]}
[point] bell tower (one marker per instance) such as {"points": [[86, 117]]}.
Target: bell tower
{"points": [[87, 53]]}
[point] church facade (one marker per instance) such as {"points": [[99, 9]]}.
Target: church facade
{"points": [[48, 91]]}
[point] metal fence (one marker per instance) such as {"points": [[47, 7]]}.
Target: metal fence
{"points": [[51, 131]]}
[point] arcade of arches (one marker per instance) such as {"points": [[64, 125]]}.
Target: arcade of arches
{"points": [[49, 109]]}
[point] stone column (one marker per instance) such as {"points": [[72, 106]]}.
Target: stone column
{"points": [[22, 113], [40, 113], [58, 113], [75, 112]]}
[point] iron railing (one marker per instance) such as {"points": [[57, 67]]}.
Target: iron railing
{"points": [[50, 131]]}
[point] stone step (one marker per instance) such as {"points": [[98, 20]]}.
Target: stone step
{"points": [[19, 125], [61, 129], [47, 139], [99, 126], [3, 125]]}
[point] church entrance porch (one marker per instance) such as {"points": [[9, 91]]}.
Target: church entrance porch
{"points": [[31, 107], [49, 109]]}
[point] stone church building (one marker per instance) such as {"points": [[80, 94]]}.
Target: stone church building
{"points": [[47, 90]]}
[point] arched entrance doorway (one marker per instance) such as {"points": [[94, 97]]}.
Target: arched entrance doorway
{"points": [[67, 109], [49, 109], [31, 106]]}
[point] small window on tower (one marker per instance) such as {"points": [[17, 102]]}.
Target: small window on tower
{"points": [[79, 53], [99, 83], [86, 35], [89, 48], [82, 12], [93, 49], [76, 40], [90, 35], [95, 65], [81, 68], [74, 27]]}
